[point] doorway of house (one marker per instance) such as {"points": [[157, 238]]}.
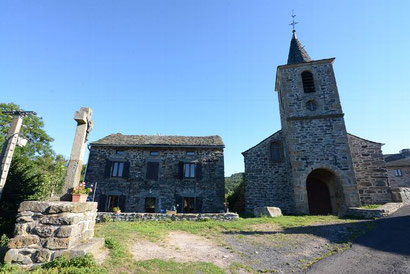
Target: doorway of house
{"points": [[189, 205], [150, 204], [113, 201]]}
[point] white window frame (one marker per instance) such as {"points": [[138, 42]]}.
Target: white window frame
{"points": [[117, 169], [398, 173], [189, 170]]}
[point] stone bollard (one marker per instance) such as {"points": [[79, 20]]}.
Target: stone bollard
{"points": [[46, 230]]}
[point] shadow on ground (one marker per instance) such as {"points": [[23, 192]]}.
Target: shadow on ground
{"points": [[395, 229]]}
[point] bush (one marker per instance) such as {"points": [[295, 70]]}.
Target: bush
{"points": [[4, 240]]}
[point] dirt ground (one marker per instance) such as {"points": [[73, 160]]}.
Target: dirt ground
{"points": [[263, 248]]}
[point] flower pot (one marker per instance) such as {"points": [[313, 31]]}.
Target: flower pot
{"points": [[117, 212], [79, 198]]}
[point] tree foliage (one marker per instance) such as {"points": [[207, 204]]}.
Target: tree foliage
{"points": [[36, 172], [235, 192]]}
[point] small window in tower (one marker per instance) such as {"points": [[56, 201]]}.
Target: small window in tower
{"points": [[308, 83], [276, 152], [311, 105]]}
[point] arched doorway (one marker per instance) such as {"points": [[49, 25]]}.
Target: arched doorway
{"points": [[324, 192]]}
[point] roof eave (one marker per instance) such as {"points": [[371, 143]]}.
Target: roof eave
{"points": [[158, 146]]}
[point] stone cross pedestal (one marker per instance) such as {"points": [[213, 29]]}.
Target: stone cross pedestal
{"points": [[84, 126]]}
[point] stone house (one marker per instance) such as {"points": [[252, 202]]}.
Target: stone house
{"points": [[398, 168], [141, 173], [312, 165]]}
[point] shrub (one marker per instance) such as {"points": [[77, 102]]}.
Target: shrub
{"points": [[4, 240], [62, 262]]}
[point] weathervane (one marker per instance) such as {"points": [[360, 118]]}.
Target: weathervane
{"points": [[293, 21]]}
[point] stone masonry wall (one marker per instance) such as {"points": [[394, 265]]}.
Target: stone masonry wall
{"points": [[370, 171], [316, 138], [46, 230], [267, 183], [399, 181], [208, 189]]}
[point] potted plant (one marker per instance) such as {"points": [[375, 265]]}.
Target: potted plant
{"points": [[116, 210], [80, 193]]}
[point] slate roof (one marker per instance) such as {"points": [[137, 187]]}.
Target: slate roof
{"points": [[119, 139], [297, 54], [400, 162]]}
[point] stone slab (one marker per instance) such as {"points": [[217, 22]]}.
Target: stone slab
{"points": [[56, 207], [92, 246], [267, 211]]}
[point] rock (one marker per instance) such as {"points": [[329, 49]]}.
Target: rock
{"points": [[67, 231], [268, 211], [23, 241], [61, 219], [44, 231], [59, 243], [42, 256], [34, 206], [10, 256]]}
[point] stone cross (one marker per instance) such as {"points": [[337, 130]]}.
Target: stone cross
{"points": [[84, 126], [10, 143]]}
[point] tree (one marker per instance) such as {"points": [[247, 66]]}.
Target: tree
{"points": [[36, 172]]}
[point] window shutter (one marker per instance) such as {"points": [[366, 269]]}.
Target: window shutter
{"points": [[179, 203], [198, 171], [198, 204], [107, 170], [152, 170], [181, 170], [121, 203], [101, 203], [126, 171]]}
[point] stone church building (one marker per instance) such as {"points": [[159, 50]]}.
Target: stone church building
{"points": [[152, 173], [312, 165]]}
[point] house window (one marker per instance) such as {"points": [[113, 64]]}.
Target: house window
{"points": [[276, 152], [190, 153], [152, 170], [189, 170], [120, 152], [150, 204], [308, 83], [311, 105], [117, 169], [397, 173], [154, 153]]}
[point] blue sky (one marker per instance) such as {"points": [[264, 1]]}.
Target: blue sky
{"points": [[200, 67]]}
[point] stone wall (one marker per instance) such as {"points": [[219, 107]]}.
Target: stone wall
{"points": [[399, 181], [133, 188], [132, 217], [370, 171], [267, 183], [46, 230], [316, 137], [401, 194]]}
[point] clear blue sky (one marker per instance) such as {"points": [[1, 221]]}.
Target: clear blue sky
{"points": [[200, 67]]}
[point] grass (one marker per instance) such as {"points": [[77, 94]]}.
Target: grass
{"points": [[121, 235], [375, 206]]}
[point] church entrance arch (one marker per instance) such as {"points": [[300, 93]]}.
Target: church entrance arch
{"points": [[324, 192]]}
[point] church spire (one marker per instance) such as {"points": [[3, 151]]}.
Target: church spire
{"points": [[297, 54]]}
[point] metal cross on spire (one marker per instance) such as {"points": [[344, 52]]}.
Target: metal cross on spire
{"points": [[293, 21]]}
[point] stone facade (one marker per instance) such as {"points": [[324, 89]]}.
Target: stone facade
{"points": [[370, 171], [308, 166], [266, 181], [46, 230], [166, 187], [398, 168], [133, 217]]}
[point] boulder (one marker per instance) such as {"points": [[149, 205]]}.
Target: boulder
{"points": [[268, 211]]}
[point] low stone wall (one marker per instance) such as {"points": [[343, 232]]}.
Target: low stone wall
{"points": [[131, 217], [383, 211], [401, 194], [46, 230]]}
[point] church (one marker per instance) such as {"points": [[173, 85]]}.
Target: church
{"points": [[312, 165]]}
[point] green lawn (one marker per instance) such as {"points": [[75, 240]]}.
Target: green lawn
{"points": [[121, 235]]}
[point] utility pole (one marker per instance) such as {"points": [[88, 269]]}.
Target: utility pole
{"points": [[12, 140]]}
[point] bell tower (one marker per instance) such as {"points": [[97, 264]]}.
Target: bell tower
{"points": [[315, 135]]}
